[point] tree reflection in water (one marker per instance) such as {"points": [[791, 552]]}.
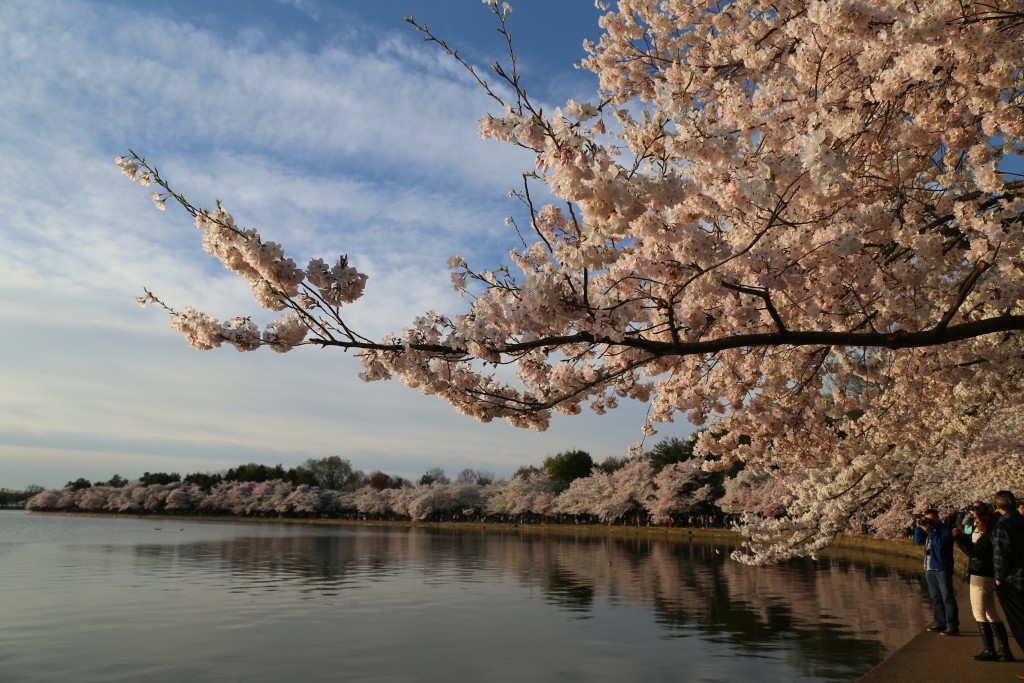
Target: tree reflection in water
{"points": [[118, 600], [831, 615]]}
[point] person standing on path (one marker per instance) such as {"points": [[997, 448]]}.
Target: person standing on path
{"points": [[937, 540], [983, 585], [1008, 563]]}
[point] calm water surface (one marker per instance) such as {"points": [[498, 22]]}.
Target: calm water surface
{"points": [[126, 600]]}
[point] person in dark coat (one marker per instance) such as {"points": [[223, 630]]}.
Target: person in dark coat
{"points": [[983, 584], [1008, 563], [937, 540]]}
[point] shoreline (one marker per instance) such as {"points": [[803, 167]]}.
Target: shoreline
{"points": [[894, 551]]}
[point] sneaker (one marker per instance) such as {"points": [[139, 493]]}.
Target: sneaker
{"points": [[950, 632], [936, 628]]}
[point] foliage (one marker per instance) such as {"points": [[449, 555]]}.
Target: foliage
{"points": [[435, 475], [613, 463], [11, 498], [159, 478], [670, 451], [116, 481], [566, 467], [331, 472], [525, 471], [203, 480], [471, 476], [381, 480], [254, 472]]}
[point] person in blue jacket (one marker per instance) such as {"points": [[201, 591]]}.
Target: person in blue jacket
{"points": [[937, 540]]}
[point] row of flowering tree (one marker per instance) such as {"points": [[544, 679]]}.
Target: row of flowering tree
{"points": [[644, 488], [634, 490]]}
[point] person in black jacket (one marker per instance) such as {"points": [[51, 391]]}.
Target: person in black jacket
{"points": [[983, 585], [1008, 563]]}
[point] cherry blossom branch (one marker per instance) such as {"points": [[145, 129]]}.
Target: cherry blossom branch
{"points": [[792, 225]]}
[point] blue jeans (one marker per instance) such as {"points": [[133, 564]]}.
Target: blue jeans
{"points": [[940, 589]]}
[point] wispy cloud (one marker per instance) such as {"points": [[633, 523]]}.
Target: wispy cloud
{"points": [[363, 143]]}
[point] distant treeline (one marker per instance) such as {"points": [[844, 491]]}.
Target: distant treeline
{"points": [[16, 499], [332, 472], [337, 473], [666, 485]]}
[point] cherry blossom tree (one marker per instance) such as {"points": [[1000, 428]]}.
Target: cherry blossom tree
{"points": [[678, 488], [401, 499], [371, 501], [990, 460], [125, 499], [93, 499], [219, 497], [268, 497], [184, 498], [633, 485], [154, 497], [593, 495], [756, 492], [529, 493], [429, 499], [44, 500], [772, 217], [303, 500], [466, 497], [334, 502]]}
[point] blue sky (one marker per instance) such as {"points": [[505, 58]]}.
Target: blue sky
{"points": [[330, 126]]}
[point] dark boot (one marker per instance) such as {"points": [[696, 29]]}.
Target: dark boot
{"points": [[989, 653], [1004, 641]]}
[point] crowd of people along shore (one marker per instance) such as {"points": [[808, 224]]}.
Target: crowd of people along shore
{"points": [[991, 535]]}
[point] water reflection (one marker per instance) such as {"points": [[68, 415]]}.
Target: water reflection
{"points": [[562, 589], [690, 587], [610, 605]]}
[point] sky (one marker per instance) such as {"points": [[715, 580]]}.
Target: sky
{"points": [[333, 128]]}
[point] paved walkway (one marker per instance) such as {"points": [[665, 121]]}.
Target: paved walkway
{"points": [[931, 658]]}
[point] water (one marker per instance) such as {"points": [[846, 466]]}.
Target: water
{"points": [[126, 600]]}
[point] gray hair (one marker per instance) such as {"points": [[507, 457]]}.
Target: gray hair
{"points": [[1005, 500]]}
